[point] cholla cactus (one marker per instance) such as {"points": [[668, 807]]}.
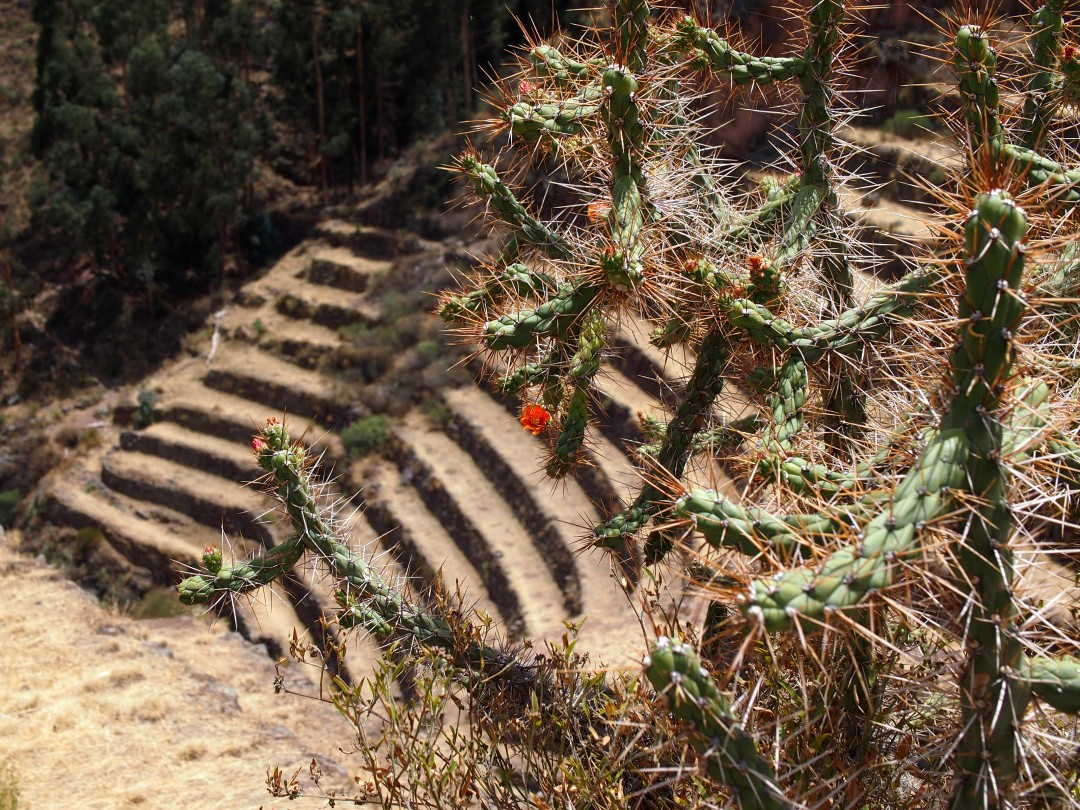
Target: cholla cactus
{"points": [[869, 642], [903, 445]]}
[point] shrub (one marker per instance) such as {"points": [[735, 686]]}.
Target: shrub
{"points": [[144, 415], [9, 506], [366, 435]]}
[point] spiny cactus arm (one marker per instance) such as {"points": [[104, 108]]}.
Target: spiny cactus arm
{"points": [[241, 576], [833, 264], [709, 51], [989, 311], [993, 694], [632, 33], [705, 441], [554, 318], [851, 572], [817, 480], [844, 335], [515, 277], [778, 196], [724, 523], [705, 384], [995, 261], [1056, 681], [579, 376], [975, 62], [367, 599], [785, 404], [729, 752], [814, 120], [799, 229], [1045, 80], [1038, 170], [564, 71], [726, 434], [499, 198], [551, 120], [621, 260], [524, 377]]}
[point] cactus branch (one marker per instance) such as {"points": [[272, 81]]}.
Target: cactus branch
{"points": [[729, 752], [1045, 81]]}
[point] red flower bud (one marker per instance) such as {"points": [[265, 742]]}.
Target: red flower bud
{"points": [[534, 418]]}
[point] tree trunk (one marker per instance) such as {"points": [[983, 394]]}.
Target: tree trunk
{"points": [[321, 99], [466, 59], [361, 99]]}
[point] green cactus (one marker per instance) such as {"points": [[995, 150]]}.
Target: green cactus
{"points": [[731, 754], [897, 455], [837, 528]]}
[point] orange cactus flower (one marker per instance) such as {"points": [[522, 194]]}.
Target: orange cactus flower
{"points": [[598, 209], [1068, 53], [525, 87], [534, 418]]}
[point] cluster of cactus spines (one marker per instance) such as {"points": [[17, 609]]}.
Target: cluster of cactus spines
{"points": [[366, 598], [851, 477]]}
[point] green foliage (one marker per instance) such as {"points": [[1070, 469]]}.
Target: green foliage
{"points": [[9, 788], [366, 435], [144, 415], [9, 506], [145, 135]]}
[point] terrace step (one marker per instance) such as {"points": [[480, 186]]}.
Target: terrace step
{"points": [[263, 378], [226, 459], [149, 536], [508, 455], [209, 500], [416, 538], [366, 241], [341, 269], [487, 525], [206, 410]]}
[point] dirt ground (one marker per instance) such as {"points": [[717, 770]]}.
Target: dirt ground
{"points": [[98, 710]]}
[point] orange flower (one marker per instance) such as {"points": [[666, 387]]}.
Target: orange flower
{"points": [[525, 87], [534, 418], [598, 209]]}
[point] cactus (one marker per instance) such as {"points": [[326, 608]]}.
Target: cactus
{"points": [[866, 619]]}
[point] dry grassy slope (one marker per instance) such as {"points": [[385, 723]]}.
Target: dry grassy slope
{"points": [[99, 711]]}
